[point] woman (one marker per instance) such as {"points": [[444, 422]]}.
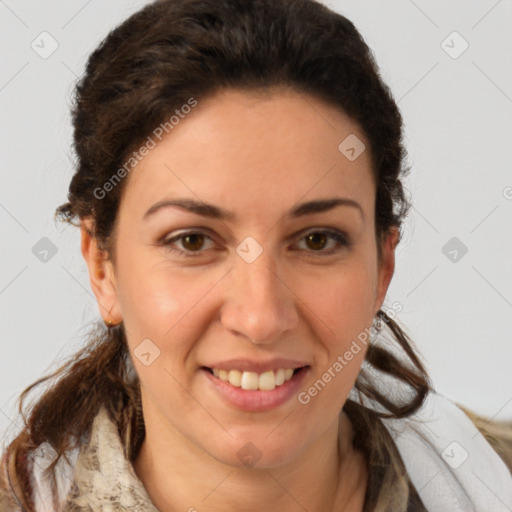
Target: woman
{"points": [[240, 200]]}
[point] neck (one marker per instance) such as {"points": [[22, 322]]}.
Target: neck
{"points": [[327, 476]]}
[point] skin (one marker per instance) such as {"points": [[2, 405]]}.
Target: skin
{"points": [[256, 156]]}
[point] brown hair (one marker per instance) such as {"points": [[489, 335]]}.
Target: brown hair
{"points": [[154, 63]]}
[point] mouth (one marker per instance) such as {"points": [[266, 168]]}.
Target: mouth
{"points": [[255, 385], [254, 381]]}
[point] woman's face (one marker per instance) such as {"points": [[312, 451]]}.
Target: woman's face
{"points": [[265, 288]]}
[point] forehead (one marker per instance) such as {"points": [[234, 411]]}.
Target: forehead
{"points": [[254, 151]]}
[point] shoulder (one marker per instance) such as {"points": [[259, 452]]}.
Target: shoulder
{"points": [[452, 464], [497, 433]]}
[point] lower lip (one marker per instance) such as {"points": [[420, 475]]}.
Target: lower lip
{"points": [[255, 400]]}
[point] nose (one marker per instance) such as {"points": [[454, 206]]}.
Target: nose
{"points": [[261, 304]]}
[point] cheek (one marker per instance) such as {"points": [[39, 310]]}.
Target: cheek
{"points": [[155, 296], [162, 314], [345, 315], [343, 303], [166, 305]]}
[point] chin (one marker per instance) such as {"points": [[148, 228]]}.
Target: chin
{"points": [[254, 454]]}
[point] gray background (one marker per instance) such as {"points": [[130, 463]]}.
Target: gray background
{"points": [[457, 113]]}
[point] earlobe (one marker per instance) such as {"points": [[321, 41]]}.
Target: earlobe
{"points": [[101, 274]]}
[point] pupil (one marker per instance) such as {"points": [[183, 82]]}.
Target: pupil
{"points": [[315, 236], [194, 245]]}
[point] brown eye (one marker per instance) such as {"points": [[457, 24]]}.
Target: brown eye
{"points": [[193, 242], [316, 241]]}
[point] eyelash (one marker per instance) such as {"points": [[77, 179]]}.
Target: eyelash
{"points": [[342, 240]]}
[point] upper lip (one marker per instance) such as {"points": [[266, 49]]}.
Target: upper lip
{"points": [[248, 365]]}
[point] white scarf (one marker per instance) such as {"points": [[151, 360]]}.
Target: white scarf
{"points": [[451, 464]]}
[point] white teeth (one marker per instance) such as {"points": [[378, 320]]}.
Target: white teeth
{"points": [[265, 381], [235, 378], [249, 380], [288, 373]]}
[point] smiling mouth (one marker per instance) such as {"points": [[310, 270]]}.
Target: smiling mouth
{"points": [[252, 381]]}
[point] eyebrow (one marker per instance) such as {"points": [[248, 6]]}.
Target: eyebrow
{"points": [[216, 212]]}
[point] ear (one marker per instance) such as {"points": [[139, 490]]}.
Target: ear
{"points": [[386, 267], [101, 274]]}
